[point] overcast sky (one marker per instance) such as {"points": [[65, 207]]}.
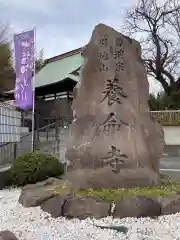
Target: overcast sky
{"points": [[62, 25]]}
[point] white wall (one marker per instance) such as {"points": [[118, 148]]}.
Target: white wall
{"points": [[10, 123], [172, 135]]}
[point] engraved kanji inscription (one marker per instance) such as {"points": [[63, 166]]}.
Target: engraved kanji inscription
{"points": [[103, 42], [120, 66], [113, 92], [119, 54], [85, 74], [119, 42], [111, 125], [115, 159], [103, 68], [103, 56]]}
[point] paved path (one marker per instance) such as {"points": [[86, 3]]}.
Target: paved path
{"points": [[170, 162], [170, 166]]}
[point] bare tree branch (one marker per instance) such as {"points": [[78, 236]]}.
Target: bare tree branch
{"points": [[159, 26], [7, 74]]}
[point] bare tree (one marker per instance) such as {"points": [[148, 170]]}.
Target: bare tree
{"points": [[157, 25], [7, 74], [39, 62]]}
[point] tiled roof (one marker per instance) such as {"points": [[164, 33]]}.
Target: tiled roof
{"points": [[59, 68]]}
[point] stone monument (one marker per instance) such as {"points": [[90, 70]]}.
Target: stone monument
{"points": [[114, 141]]}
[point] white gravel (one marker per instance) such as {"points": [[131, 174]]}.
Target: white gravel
{"points": [[32, 223]]}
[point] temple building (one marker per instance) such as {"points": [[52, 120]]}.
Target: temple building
{"points": [[54, 85]]}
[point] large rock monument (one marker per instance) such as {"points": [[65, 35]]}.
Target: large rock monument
{"points": [[114, 141]]}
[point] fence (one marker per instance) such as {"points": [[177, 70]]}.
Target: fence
{"points": [[10, 129], [10, 123], [50, 139], [167, 117]]}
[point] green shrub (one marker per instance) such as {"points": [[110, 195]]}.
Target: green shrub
{"points": [[33, 167]]}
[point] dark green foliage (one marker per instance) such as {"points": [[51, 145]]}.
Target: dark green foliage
{"points": [[171, 102], [153, 102], [164, 102], [7, 74], [39, 64], [33, 167]]}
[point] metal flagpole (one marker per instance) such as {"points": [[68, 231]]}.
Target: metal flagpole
{"points": [[33, 90]]}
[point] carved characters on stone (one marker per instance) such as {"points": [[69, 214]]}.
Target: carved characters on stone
{"points": [[113, 92], [119, 42], [111, 125], [112, 116], [103, 68], [119, 66], [103, 42], [115, 159], [119, 55], [103, 55]]}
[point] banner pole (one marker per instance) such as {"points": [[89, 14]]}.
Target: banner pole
{"points": [[33, 91]]}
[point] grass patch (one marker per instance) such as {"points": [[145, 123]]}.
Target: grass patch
{"points": [[166, 188], [115, 194]]}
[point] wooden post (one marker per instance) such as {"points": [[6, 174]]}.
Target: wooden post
{"points": [[15, 151]]}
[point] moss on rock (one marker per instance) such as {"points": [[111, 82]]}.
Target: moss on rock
{"points": [[166, 188]]}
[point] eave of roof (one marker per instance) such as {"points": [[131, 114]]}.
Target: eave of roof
{"points": [[59, 68], [64, 55]]}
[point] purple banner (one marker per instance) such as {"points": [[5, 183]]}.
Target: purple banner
{"points": [[24, 66]]}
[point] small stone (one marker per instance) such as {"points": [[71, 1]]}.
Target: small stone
{"points": [[33, 195], [7, 235], [137, 206], [54, 206], [34, 198], [170, 204], [84, 207]]}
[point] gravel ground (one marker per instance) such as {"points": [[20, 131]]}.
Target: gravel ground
{"points": [[32, 223]]}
